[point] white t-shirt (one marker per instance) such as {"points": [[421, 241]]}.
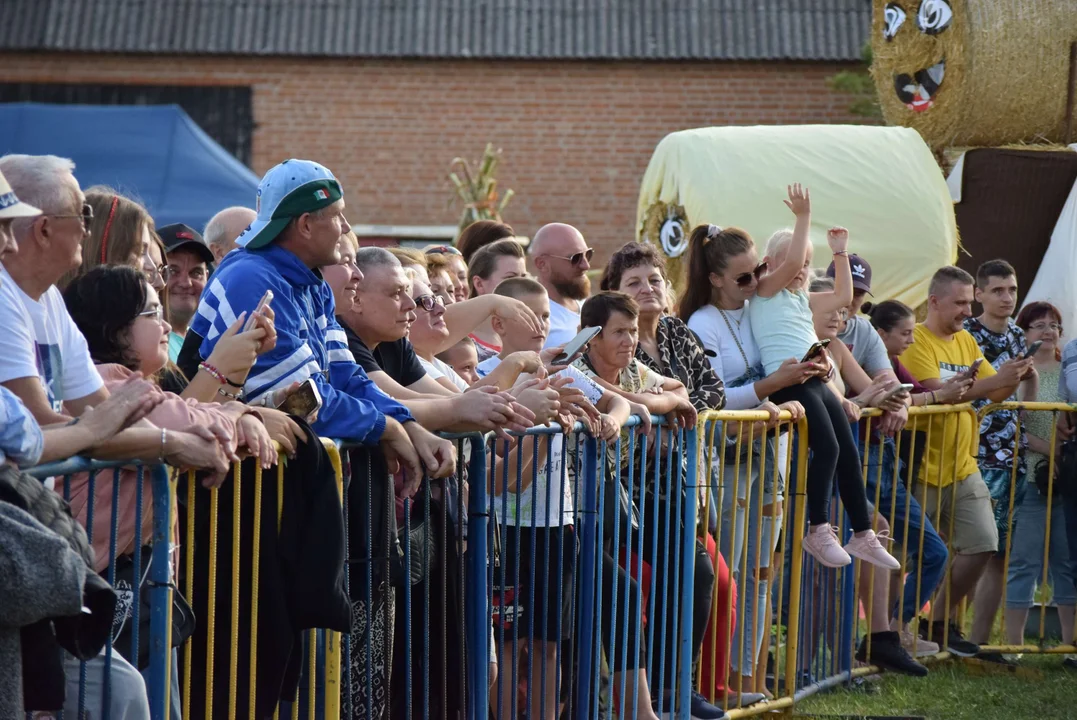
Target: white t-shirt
{"points": [[38, 338], [564, 325], [721, 338], [440, 369], [540, 499]]}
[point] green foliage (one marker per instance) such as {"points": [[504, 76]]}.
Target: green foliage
{"points": [[860, 85]]}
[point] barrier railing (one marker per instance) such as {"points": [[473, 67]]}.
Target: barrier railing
{"points": [[638, 603]]}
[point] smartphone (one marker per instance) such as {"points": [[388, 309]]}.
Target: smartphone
{"points": [[576, 344], [262, 305], [1032, 349], [904, 387], [973, 370], [304, 402], [816, 349]]}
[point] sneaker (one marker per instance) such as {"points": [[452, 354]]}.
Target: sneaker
{"points": [[742, 700], [700, 709], [955, 642], [888, 654], [1070, 663], [822, 544], [867, 548], [917, 647], [997, 658]]}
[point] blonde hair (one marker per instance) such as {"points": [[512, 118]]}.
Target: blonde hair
{"points": [[778, 242]]}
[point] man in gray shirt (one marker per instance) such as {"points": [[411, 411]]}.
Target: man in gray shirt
{"points": [[858, 335]]}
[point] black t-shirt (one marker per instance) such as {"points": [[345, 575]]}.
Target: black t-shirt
{"points": [[396, 359]]}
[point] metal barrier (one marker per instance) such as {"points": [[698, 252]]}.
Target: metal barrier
{"points": [[1036, 544], [82, 482], [634, 605]]}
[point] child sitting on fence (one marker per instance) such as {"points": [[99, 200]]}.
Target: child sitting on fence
{"points": [[781, 318]]}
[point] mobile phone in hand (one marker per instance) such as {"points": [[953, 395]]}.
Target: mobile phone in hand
{"points": [[262, 305], [816, 350], [1032, 349], [576, 344], [304, 402]]}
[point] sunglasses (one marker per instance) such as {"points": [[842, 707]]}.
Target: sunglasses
{"points": [[429, 302], [442, 250], [577, 258], [86, 216], [745, 279]]}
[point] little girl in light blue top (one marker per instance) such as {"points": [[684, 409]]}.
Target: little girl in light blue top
{"points": [[781, 319]]}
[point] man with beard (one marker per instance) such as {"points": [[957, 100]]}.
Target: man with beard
{"points": [[562, 260]]}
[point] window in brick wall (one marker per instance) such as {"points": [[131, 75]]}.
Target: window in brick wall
{"points": [[226, 114]]}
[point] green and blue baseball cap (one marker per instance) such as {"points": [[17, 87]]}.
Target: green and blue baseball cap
{"points": [[288, 190]]}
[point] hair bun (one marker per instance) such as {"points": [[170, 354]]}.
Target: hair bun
{"points": [[867, 308]]}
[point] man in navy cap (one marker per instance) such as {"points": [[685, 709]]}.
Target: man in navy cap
{"points": [[187, 263]]}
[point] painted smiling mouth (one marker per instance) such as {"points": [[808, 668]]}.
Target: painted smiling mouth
{"points": [[918, 91]]}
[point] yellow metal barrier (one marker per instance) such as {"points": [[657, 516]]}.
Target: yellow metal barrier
{"points": [[195, 707]]}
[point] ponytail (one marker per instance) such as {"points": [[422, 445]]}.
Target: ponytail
{"points": [[887, 314], [709, 251]]}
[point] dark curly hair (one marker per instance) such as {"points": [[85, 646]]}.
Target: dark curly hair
{"points": [[631, 255], [104, 303]]}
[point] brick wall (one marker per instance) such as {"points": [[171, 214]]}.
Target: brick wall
{"points": [[576, 135]]}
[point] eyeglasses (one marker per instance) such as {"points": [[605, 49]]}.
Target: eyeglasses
{"points": [[86, 216], [156, 313], [429, 302], [442, 249], [1041, 326], [745, 279]]}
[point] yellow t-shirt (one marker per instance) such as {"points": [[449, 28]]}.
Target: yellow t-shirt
{"points": [[933, 358]]}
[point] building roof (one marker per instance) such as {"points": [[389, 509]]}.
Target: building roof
{"points": [[504, 29]]}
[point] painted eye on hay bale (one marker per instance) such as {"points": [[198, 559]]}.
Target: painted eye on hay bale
{"points": [[974, 72]]}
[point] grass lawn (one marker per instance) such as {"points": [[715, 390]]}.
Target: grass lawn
{"points": [[959, 690]]}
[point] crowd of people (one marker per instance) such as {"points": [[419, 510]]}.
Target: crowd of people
{"points": [[122, 340]]}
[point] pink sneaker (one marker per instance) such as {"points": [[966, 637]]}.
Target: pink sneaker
{"points": [[867, 547], [822, 544]]}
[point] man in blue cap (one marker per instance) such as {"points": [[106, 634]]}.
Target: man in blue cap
{"points": [[300, 219]]}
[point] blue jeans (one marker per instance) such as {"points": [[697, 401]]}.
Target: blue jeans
{"points": [[905, 528], [1069, 509], [1026, 553], [174, 712]]}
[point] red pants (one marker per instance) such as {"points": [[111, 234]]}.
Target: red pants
{"points": [[716, 640]]}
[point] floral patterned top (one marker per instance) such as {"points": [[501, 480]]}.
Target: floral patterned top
{"points": [[682, 358]]}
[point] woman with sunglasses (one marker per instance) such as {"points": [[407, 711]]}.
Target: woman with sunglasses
{"points": [[723, 272]]}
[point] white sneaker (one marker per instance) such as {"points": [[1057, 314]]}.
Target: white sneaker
{"points": [[822, 544], [867, 548], [917, 647]]}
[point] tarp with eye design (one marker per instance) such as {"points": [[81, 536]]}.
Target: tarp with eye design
{"points": [[882, 183], [974, 72]]}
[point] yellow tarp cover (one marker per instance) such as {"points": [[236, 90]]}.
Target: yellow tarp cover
{"points": [[882, 183]]}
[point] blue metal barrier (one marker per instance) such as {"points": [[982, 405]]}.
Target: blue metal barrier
{"points": [[158, 672]]}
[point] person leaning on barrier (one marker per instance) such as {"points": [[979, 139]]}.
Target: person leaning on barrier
{"points": [[537, 517], [611, 360], [187, 262], [299, 225], [1000, 340], [1067, 428], [487, 269], [1041, 322], [942, 349]]}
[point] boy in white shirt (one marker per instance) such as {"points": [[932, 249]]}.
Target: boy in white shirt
{"points": [[534, 600]]}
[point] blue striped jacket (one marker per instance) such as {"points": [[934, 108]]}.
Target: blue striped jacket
{"points": [[310, 343]]}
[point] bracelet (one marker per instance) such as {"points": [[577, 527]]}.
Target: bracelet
{"points": [[934, 399], [842, 252], [238, 386], [164, 440], [213, 373], [229, 395]]}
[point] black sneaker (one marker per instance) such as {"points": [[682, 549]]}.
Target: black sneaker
{"points": [[955, 642], [1070, 663], [887, 653], [997, 658]]}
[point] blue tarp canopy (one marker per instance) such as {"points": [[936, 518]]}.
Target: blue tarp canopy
{"points": [[155, 154]]}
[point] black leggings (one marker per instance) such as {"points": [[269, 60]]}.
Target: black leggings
{"points": [[833, 448]]}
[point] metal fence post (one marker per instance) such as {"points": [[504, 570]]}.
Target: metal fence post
{"points": [[588, 563], [688, 578], [476, 615], [160, 596]]}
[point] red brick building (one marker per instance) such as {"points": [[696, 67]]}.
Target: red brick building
{"points": [[576, 93]]}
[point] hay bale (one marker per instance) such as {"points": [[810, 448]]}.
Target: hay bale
{"points": [[974, 72]]}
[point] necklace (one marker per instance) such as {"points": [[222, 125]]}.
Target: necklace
{"points": [[736, 336]]}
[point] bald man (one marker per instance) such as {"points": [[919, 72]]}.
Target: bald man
{"points": [[223, 229], [562, 259]]}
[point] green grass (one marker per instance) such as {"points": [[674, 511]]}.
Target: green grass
{"points": [[960, 690]]}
